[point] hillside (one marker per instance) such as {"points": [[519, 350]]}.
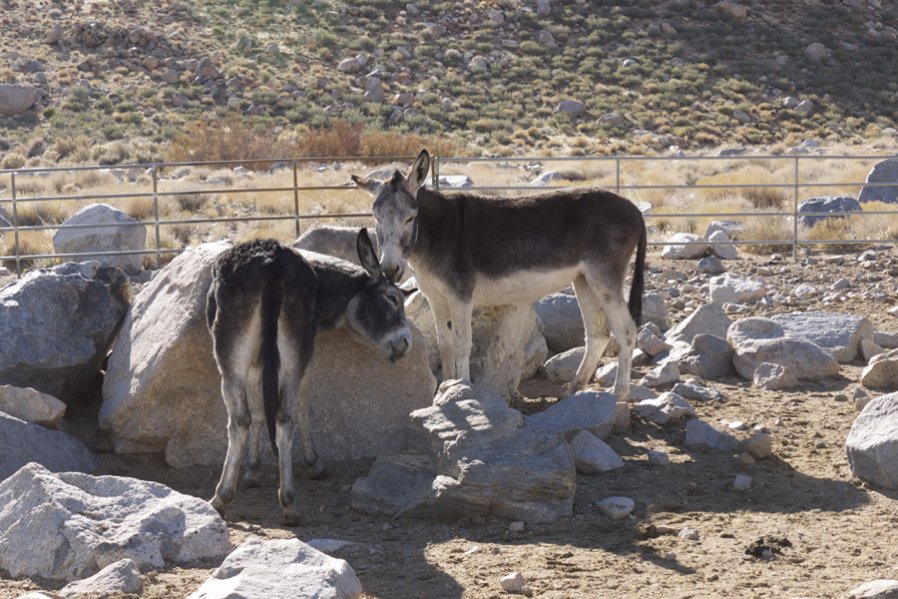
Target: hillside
{"points": [[117, 81]]}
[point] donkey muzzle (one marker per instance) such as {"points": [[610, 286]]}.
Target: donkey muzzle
{"points": [[400, 346]]}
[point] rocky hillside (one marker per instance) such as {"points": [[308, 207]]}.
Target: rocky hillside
{"points": [[117, 80]]}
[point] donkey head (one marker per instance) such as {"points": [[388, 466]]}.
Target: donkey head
{"points": [[395, 209], [375, 316]]}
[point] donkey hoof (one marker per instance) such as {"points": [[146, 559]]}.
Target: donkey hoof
{"points": [[317, 471], [291, 519], [218, 504]]}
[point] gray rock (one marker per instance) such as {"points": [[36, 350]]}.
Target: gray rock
{"points": [[102, 228], [649, 339], [658, 458], [805, 108], [16, 99], [869, 349], [561, 368], [116, 579], [655, 310], [709, 319], [572, 108], [882, 173], [757, 340], [882, 372], [506, 341], [875, 589], [456, 181], [587, 410], [886, 340], [664, 374], [280, 569], [872, 443], [23, 442], [68, 526], [666, 407], [31, 405], [475, 457], [162, 388], [512, 583], [546, 178], [759, 446], [206, 69], [833, 206], [592, 455], [840, 334], [617, 508], [684, 246], [562, 321], [702, 434], [730, 288], [333, 241], [696, 392], [711, 265], [774, 377], [722, 246], [742, 482], [57, 325], [710, 357]]}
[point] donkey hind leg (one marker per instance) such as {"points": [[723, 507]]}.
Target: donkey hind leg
{"points": [[460, 315], [314, 465], [234, 392], [611, 299], [445, 338], [252, 472], [596, 334]]}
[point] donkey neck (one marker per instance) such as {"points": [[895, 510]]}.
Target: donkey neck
{"points": [[437, 216]]}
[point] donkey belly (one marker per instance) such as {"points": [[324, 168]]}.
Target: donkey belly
{"points": [[521, 287]]}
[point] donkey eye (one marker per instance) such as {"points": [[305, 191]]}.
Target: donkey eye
{"points": [[409, 220], [393, 300]]}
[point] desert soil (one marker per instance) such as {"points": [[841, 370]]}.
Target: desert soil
{"points": [[840, 532]]}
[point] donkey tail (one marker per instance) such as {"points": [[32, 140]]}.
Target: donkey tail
{"points": [[638, 286], [272, 296]]}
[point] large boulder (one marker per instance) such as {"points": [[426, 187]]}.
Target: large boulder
{"points": [[57, 326], [508, 343], [872, 443], [840, 334], [23, 442], [881, 174], [162, 388], [16, 99], [68, 526], [102, 228], [756, 340], [823, 208], [474, 456], [562, 321], [280, 569]]}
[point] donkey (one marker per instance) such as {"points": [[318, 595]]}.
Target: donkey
{"points": [[265, 305], [468, 249]]}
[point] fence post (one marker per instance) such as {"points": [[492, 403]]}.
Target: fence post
{"points": [[617, 175], [15, 224], [795, 214], [156, 215], [435, 173], [296, 198]]}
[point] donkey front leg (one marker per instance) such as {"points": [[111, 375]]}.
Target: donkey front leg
{"points": [[445, 341], [460, 317], [239, 421]]}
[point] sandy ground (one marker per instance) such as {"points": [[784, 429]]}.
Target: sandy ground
{"points": [[828, 531]]}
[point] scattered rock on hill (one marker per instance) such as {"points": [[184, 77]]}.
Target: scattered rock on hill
{"points": [[16, 99]]}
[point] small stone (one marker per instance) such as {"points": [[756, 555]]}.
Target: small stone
{"points": [[512, 583], [658, 458], [742, 482], [617, 508], [759, 445], [689, 533], [516, 526], [745, 459]]}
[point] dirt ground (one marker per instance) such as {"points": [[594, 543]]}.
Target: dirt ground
{"points": [[827, 532]]}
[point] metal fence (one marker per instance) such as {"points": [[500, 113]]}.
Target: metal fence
{"points": [[622, 178]]}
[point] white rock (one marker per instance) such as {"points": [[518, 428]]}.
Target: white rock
{"points": [[662, 375], [512, 583], [617, 508], [592, 455], [774, 377], [561, 368], [115, 579], [668, 406], [110, 230], [722, 245], [650, 341], [31, 405], [684, 246], [280, 569], [872, 443], [869, 349], [710, 319], [689, 533], [876, 589], [67, 526], [734, 289]]}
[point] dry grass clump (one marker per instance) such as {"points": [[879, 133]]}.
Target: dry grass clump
{"points": [[30, 243], [739, 181]]}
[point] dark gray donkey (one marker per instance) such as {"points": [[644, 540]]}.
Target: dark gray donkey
{"points": [[265, 305], [469, 249]]}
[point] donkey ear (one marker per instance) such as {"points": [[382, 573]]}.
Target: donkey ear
{"points": [[418, 175], [367, 255], [369, 185]]}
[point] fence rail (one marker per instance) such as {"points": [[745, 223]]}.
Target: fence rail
{"points": [[12, 199]]}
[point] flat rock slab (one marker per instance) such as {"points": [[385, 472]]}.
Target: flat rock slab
{"points": [[473, 455], [872, 443], [31, 405], [756, 340], [734, 289], [586, 410], [68, 526], [280, 569], [23, 442], [116, 579], [57, 325], [840, 334]]}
